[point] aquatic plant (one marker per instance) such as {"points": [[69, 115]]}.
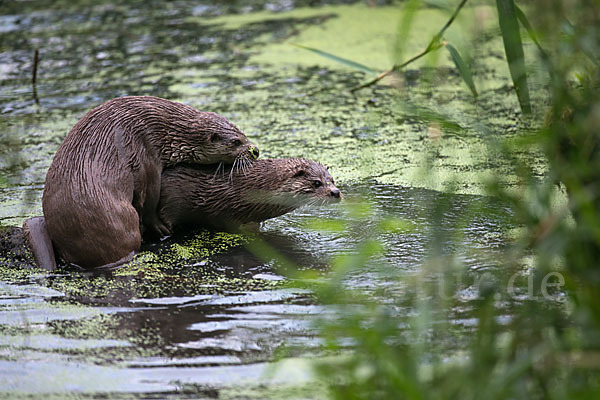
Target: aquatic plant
{"points": [[408, 338]]}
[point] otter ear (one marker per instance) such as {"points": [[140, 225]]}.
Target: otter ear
{"points": [[214, 136], [299, 173]]}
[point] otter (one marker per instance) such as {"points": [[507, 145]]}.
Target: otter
{"points": [[230, 197], [103, 186]]}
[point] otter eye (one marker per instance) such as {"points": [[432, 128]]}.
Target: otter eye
{"points": [[236, 142], [214, 137], [317, 183], [299, 173]]}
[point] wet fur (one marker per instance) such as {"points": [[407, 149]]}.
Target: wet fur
{"points": [[103, 186], [226, 197]]}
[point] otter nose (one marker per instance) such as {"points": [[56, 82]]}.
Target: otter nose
{"points": [[253, 150], [335, 192]]}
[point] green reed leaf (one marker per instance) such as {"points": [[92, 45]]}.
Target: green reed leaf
{"points": [[341, 60], [463, 68], [525, 23], [513, 47]]}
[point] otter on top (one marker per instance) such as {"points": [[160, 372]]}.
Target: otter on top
{"points": [[103, 186]]}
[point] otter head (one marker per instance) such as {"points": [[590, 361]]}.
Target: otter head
{"points": [[210, 139], [225, 142], [310, 182]]}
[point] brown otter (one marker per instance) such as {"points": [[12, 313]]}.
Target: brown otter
{"points": [[103, 185], [201, 196]]}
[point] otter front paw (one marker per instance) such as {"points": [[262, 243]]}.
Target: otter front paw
{"points": [[162, 229], [157, 227]]}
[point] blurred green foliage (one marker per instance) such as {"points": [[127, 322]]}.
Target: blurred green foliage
{"points": [[539, 339]]}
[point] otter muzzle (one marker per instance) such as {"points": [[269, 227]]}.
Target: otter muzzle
{"points": [[253, 151]]}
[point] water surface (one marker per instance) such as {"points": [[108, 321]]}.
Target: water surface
{"points": [[203, 314]]}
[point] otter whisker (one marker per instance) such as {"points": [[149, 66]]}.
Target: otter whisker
{"points": [[246, 165], [220, 167], [233, 168], [240, 165], [245, 169], [232, 171]]}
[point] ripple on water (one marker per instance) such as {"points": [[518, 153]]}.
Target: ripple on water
{"points": [[27, 305]]}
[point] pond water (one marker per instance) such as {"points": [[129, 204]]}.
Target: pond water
{"points": [[206, 314]]}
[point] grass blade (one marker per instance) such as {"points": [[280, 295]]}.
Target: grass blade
{"points": [[341, 60], [525, 23], [463, 68], [513, 47]]}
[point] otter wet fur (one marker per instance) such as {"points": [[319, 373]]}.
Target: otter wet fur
{"points": [[223, 198], [104, 183]]}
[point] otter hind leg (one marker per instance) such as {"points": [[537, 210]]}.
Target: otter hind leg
{"points": [[101, 233], [123, 240], [37, 237]]}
